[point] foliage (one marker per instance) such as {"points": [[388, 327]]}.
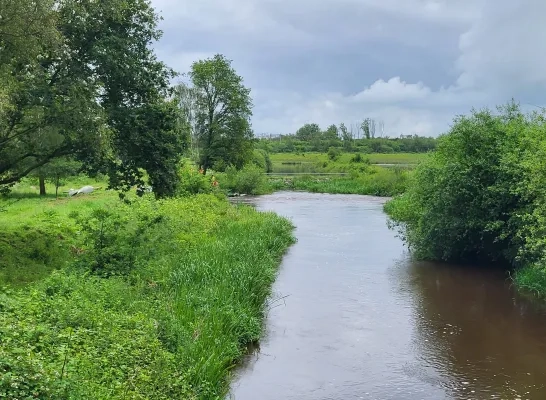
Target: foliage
{"points": [[357, 158], [222, 110], [334, 153], [193, 182], [248, 180], [482, 194], [66, 94], [170, 326], [261, 159], [308, 132], [373, 181], [310, 138]]}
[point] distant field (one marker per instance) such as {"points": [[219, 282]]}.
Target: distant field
{"points": [[376, 158], [319, 162]]}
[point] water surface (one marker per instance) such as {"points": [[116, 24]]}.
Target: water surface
{"points": [[356, 319]]}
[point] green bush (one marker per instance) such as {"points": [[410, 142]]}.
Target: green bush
{"points": [[248, 180], [358, 158], [111, 237], [193, 182], [482, 194], [261, 159], [334, 153]]}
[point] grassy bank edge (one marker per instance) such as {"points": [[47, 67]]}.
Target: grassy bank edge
{"points": [[198, 303]]}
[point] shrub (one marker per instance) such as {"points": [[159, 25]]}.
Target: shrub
{"points": [[111, 237], [334, 153], [248, 180], [193, 182], [261, 159], [358, 158], [482, 194]]}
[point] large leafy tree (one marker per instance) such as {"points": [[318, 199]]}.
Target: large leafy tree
{"points": [[223, 108], [308, 132], [88, 85]]}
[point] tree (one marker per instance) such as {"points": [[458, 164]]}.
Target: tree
{"points": [[85, 91], [223, 111], [56, 172], [333, 153], [346, 137], [331, 133], [308, 132], [365, 126], [186, 96], [481, 194]]}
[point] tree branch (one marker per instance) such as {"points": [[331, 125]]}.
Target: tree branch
{"points": [[57, 153]]}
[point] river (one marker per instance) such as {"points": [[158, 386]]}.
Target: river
{"points": [[355, 318]]}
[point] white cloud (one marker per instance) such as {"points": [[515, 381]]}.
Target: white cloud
{"points": [[392, 91]]}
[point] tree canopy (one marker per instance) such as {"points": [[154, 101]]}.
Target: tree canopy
{"points": [[218, 108], [80, 79]]}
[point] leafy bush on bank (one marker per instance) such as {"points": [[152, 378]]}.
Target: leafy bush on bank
{"points": [[248, 180], [482, 195]]}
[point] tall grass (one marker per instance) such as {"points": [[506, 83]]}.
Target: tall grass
{"points": [[374, 181], [320, 162], [171, 324]]}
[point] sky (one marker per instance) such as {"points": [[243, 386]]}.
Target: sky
{"points": [[411, 64]]}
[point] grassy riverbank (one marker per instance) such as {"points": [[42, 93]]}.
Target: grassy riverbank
{"points": [[374, 181], [344, 162], [362, 179], [152, 299]]}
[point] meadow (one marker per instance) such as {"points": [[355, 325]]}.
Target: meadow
{"points": [[321, 162]]}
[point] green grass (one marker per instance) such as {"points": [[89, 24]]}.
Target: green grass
{"points": [[532, 279], [375, 181], [44, 223], [190, 295], [319, 162]]}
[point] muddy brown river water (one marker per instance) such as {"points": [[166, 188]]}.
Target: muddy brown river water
{"points": [[360, 320]]}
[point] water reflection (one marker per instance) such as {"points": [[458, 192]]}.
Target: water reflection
{"points": [[483, 339]]}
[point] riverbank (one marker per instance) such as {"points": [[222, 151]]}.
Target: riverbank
{"points": [[372, 181], [146, 299]]}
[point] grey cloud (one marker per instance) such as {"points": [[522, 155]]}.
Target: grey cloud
{"points": [[412, 63]]}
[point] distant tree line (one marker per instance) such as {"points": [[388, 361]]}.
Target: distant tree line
{"points": [[311, 138]]}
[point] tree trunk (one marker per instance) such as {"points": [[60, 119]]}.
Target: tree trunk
{"points": [[57, 182], [42, 186]]}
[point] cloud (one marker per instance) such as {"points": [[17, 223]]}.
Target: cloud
{"points": [[414, 64], [503, 51], [393, 91]]}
